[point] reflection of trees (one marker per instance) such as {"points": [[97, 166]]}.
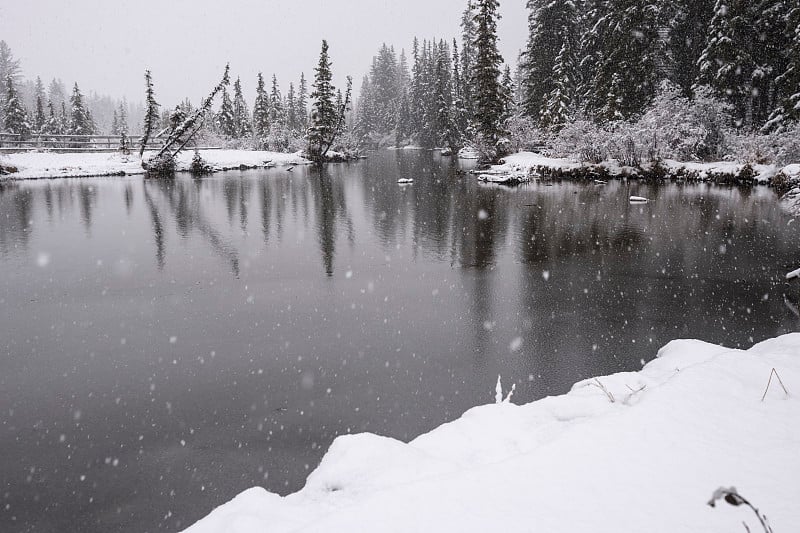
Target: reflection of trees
{"points": [[87, 195], [158, 228], [329, 198], [183, 200], [128, 195], [16, 206]]}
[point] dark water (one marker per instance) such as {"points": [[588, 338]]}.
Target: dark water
{"points": [[165, 345]]}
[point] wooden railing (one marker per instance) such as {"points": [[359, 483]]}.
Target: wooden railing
{"points": [[74, 143]]}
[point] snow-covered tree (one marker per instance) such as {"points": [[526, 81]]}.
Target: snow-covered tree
{"points": [[302, 103], [626, 74], [486, 72], [151, 116], [727, 64], [323, 112], [81, 122], [8, 67], [549, 68], [261, 110], [787, 82], [14, 115], [225, 119], [241, 115]]}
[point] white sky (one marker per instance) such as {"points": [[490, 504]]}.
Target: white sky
{"points": [[105, 45]]}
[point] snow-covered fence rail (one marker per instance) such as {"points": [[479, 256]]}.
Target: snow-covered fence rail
{"points": [[12, 142]]}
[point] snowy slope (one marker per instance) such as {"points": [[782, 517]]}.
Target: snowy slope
{"points": [[649, 461], [33, 165]]}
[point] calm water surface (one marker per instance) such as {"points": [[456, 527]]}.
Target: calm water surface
{"points": [[165, 345]]}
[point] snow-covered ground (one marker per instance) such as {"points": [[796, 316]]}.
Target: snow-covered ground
{"points": [[636, 451], [525, 161], [33, 165]]}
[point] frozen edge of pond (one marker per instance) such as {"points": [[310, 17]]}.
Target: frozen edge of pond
{"points": [[645, 449]]}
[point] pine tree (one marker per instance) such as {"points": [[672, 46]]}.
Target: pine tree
{"points": [[81, 122], [8, 67], [626, 75], [787, 83], [468, 56], [727, 64], [261, 110], [241, 115], [122, 116], [486, 73], [63, 120], [302, 103], [14, 115], [688, 28], [277, 112], [561, 102], [151, 116], [324, 115], [52, 125], [115, 124], [39, 117], [291, 108], [225, 118], [551, 34]]}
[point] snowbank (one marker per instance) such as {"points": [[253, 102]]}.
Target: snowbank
{"points": [[32, 165], [529, 161], [636, 451]]}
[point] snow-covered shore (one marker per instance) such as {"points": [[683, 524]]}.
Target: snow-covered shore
{"points": [[528, 161], [636, 451], [34, 165]]}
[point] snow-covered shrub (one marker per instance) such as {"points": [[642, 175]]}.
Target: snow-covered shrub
{"points": [[781, 148], [581, 140], [199, 165], [675, 127], [160, 166], [523, 133]]}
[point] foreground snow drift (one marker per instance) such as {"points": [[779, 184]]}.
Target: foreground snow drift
{"points": [[637, 451], [33, 165]]}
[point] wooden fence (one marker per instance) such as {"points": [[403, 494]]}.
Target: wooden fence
{"points": [[13, 142]]}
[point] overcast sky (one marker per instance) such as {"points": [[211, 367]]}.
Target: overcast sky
{"points": [[105, 45]]}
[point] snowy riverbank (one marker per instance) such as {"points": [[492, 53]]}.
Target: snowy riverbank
{"points": [[536, 164], [637, 451], [34, 165]]}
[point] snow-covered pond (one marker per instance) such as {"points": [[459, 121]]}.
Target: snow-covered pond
{"points": [[166, 345]]}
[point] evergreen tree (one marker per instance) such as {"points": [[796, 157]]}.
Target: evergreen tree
{"points": [[291, 108], [64, 120], [81, 122], [561, 102], [115, 124], [486, 73], [324, 115], [261, 110], [14, 115], [52, 125], [727, 64], [57, 93], [507, 94], [8, 67], [241, 115], [225, 119], [551, 34], [39, 118], [277, 112], [688, 28], [151, 116], [122, 117], [302, 103], [468, 57], [787, 83]]}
